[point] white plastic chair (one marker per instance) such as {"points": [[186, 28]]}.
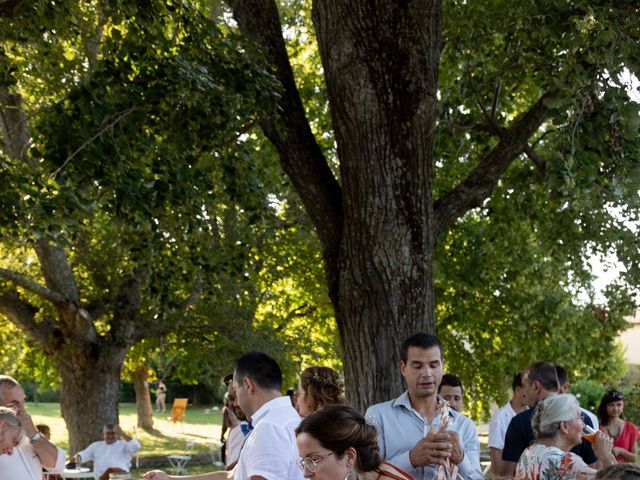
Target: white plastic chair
{"points": [[216, 455]]}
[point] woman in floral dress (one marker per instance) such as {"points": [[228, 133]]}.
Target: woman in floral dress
{"points": [[557, 426]]}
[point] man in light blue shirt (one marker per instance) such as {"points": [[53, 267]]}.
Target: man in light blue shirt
{"points": [[409, 432]]}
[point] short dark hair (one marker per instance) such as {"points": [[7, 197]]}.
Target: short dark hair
{"points": [[421, 340], [517, 382], [339, 427], [619, 471], [227, 379], [563, 376], [451, 380], [260, 368], [545, 373]]}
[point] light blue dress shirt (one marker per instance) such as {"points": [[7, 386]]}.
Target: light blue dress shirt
{"points": [[400, 427]]}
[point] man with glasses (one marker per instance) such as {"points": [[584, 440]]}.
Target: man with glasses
{"points": [[540, 381], [111, 455], [33, 451]]}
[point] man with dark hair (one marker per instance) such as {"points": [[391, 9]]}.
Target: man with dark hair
{"points": [[409, 427], [269, 451], [452, 391], [500, 422], [112, 454], [540, 381], [563, 381], [34, 451]]}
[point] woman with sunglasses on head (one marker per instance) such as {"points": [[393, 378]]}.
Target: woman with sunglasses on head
{"points": [[624, 433], [335, 443]]}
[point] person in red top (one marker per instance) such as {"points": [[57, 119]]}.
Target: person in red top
{"points": [[624, 433]]}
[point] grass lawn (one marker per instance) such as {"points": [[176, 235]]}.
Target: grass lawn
{"points": [[200, 427]]}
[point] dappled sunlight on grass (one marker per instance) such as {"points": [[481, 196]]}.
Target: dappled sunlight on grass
{"points": [[199, 427]]}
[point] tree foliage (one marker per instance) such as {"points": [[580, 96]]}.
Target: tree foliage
{"points": [[526, 167]]}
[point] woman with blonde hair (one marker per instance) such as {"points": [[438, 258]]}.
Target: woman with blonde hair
{"points": [[318, 387], [557, 426]]}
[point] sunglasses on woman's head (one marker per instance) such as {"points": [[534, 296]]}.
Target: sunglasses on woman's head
{"points": [[615, 395]]}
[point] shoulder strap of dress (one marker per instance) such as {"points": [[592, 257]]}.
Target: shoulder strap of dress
{"points": [[402, 474]]}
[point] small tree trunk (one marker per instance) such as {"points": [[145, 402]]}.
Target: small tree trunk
{"points": [[143, 397]]}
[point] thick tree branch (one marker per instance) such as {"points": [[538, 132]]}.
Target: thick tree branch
{"points": [[33, 286], [23, 315], [481, 182], [56, 270], [288, 129], [15, 132], [124, 325]]}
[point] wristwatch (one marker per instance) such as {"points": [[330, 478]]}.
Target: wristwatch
{"points": [[36, 438]]}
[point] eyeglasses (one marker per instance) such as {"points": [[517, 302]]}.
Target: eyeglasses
{"points": [[614, 394], [310, 464]]}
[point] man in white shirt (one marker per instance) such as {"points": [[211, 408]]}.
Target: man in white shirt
{"points": [[10, 431], [33, 451], [269, 451], [111, 455], [500, 422]]}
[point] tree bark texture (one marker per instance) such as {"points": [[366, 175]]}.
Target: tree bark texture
{"points": [[143, 397], [381, 67], [89, 396]]}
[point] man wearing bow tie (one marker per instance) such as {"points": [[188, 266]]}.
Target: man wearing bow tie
{"points": [[269, 451]]}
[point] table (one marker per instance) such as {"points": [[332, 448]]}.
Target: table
{"points": [[79, 473], [179, 462]]}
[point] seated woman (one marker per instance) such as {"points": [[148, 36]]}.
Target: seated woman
{"points": [[624, 433], [319, 386], [335, 443], [557, 426]]}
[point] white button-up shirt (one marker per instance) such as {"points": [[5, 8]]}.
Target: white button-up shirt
{"points": [[24, 464], [499, 424], [114, 455], [270, 450]]}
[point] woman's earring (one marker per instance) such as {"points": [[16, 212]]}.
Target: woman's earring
{"points": [[351, 475]]}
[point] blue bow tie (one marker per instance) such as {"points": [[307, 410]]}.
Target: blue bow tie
{"points": [[246, 428]]}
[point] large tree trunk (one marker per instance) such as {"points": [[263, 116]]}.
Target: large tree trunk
{"points": [[381, 70], [143, 397], [89, 396]]}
